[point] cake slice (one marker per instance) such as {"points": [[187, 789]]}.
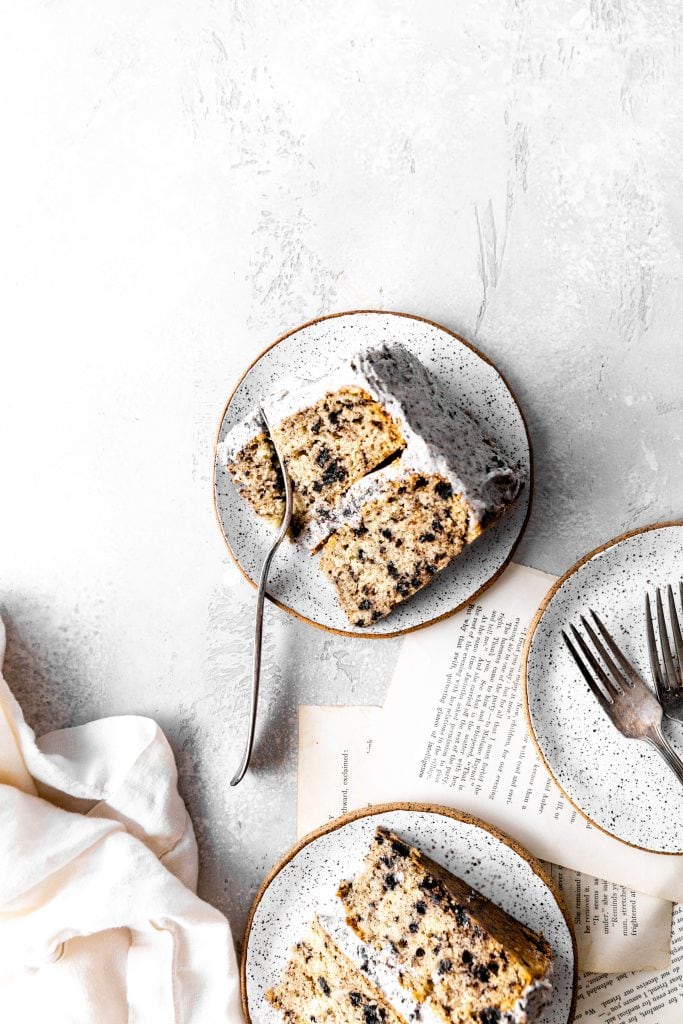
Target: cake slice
{"points": [[391, 476], [252, 463], [454, 950], [396, 528], [406, 529], [330, 436], [321, 984]]}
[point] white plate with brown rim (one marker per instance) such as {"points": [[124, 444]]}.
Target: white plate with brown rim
{"points": [[295, 582], [304, 884], [622, 786]]}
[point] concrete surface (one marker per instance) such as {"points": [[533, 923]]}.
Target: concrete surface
{"points": [[183, 181]]}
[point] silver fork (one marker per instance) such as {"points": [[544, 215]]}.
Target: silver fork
{"points": [[621, 693], [667, 673], [260, 601]]}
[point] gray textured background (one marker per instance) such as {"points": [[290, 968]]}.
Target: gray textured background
{"points": [[184, 181]]}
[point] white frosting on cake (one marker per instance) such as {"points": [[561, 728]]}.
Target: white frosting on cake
{"points": [[380, 968], [238, 436], [297, 393], [441, 437], [535, 998]]}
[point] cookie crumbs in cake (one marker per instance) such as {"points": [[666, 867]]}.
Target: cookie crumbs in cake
{"points": [[321, 984], [466, 958]]}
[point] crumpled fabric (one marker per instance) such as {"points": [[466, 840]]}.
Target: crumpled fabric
{"points": [[99, 917]]}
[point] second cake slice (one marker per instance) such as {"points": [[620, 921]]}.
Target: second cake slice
{"points": [[321, 984], [464, 956]]}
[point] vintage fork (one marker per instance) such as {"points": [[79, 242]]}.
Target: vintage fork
{"points": [[667, 673], [621, 693], [260, 601]]}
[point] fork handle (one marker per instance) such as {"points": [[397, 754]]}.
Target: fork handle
{"points": [[256, 675], [664, 748], [260, 602]]}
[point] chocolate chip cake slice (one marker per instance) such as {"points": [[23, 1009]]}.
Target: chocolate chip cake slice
{"points": [[391, 476], [321, 984], [253, 465], [396, 528], [454, 950], [412, 528], [327, 446]]}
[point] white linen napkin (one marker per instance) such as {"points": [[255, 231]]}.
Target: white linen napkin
{"points": [[99, 920]]}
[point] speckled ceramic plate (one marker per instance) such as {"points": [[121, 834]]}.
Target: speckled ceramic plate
{"points": [[305, 883], [620, 785], [295, 582]]}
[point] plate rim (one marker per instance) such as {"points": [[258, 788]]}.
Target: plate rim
{"points": [[444, 615], [524, 678], [407, 805]]}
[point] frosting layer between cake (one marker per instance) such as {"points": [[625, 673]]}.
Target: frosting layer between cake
{"points": [[440, 438]]}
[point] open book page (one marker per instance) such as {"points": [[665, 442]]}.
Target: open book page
{"points": [[616, 929], [629, 998], [453, 732], [334, 744]]}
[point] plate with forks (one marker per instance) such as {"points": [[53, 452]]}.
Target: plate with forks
{"points": [[603, 685]]}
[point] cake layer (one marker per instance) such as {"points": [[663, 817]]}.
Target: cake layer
{"points": [[327, 446], [255, 471], [395, 545], [321, 984], [441, 437], [465, 957]]}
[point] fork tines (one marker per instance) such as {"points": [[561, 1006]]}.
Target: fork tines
{"points": [[623, 695], [667, 673], [620, 673]]}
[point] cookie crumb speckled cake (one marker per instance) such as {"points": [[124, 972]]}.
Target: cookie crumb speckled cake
{"points": [[391, 477], [332, 441], [463, 956], [321, 984]]}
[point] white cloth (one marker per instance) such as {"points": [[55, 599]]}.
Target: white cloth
{"points": [[99, 920]]}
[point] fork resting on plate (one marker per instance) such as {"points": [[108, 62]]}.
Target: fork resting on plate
{"points": [[667, 674], [621, 693]]}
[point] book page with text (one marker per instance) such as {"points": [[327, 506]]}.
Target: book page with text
{"points": [[453, 732]]}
